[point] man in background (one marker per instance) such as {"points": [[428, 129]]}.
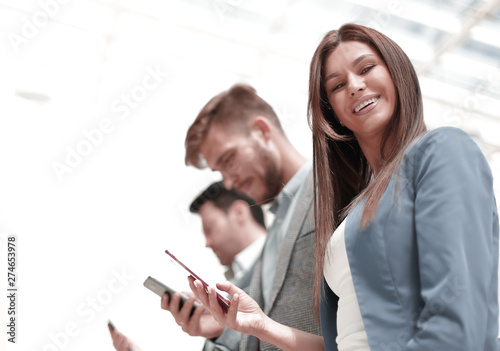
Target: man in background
{"points": [[238, 134], [234, 229]]}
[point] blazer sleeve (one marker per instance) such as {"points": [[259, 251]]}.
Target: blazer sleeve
{"points": [[457, 243]]}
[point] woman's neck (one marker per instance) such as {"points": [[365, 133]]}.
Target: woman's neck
{"points": [[372, 150]]}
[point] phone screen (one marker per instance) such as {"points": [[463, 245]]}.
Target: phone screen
{"points": [[223, 302]]}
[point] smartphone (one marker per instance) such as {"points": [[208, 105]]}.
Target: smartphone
{"points": [[223, 302], [159, 289]]}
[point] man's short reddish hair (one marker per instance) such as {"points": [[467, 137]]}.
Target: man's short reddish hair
{"points": [[235, 109]]}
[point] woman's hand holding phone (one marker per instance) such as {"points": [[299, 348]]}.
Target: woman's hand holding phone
{"points": [[243, 315], [223, 302]]}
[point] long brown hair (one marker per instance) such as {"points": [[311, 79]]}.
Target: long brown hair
{"points": [[342, 174]]}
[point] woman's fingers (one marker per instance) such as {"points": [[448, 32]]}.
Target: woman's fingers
{"points": [[228, 287], [233, 310], [212, 297], [189, 294], [198, 290]]}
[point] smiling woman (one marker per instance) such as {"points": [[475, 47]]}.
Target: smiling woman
{"points": [[412, 210]]}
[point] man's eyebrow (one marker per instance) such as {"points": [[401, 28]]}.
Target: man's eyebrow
{"points": [[219, 160], [354, 63]]}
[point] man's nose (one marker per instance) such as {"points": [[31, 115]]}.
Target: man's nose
{"points": [[228, 180]]}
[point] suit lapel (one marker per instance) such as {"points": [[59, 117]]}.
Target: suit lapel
{"points": [[255, 290], [294, 229]]}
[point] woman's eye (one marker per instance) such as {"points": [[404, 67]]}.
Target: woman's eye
{"points": [[338, 86], [367, 68]]}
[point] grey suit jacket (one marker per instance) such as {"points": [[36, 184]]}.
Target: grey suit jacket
{"points": [[292, 291]]}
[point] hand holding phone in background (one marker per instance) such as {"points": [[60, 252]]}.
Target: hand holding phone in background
{"points": [[161, 289], [193, 320], [120, 341]]}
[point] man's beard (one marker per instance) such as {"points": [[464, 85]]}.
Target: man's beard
{"points": [[272, 177]]}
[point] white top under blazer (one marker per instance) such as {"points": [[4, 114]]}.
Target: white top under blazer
{"points": [[351, 334]]}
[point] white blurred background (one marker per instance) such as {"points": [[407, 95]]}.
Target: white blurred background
{"points": [[96, 97]]}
